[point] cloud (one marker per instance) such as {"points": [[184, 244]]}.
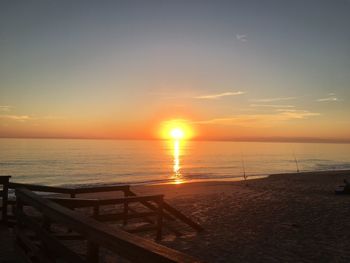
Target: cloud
{"points": [[5, 108], [261, 120], [15, 117], [242, 38], [287, 110], [219, 95], [271, 106], [328, 99], [274, 99]]}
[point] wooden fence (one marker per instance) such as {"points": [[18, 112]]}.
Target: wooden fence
{"points": [[127, 214], [154, 203], [37, 243]]}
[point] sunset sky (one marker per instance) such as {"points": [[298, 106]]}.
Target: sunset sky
{"points": [[248, 69]]}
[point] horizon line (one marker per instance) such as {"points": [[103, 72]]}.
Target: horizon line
{"points": [[233, 139]]}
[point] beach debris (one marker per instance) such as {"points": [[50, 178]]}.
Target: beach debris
{"points": [[343, 189]]}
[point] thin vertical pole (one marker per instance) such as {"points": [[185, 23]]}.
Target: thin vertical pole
{"points": [[296, 162], [243, 167]]}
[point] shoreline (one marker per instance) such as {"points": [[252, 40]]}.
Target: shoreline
{"points": [[209, 180], [220, 185]]}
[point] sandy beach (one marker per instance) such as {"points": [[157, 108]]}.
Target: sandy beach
{"points": [[282, 218]]}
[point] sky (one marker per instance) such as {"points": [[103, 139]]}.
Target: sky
{"points": [[232, 70]]}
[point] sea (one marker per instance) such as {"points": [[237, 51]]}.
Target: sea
{"points": [[66, 162]]}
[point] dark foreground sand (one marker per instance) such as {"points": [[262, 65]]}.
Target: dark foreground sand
{"points": [[282, 218]]}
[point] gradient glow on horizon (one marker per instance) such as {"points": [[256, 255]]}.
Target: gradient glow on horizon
{"points": [[274, 70]]}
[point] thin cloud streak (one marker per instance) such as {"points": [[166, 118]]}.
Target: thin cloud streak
{"points": [[219, 95], [5, 108], [274, 99], [261, 120], [328, 99], [15, 117], [271, 106]]}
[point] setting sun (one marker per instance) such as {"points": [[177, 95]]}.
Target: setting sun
{"points": [[176, 129], [177, 133]]}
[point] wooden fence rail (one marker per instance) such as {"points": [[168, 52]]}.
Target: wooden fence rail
{"points": [[169, 212], [70, 191], [48, 248]]}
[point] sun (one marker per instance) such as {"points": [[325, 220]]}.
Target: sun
{"points": [[176, 129], [177, 133]]}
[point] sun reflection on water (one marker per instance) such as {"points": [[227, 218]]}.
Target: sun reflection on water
{"points": [[177, 132], [177, 176]]}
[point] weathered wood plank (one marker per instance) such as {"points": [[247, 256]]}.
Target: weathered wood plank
{"points": [[71, 191], [41, 188]]}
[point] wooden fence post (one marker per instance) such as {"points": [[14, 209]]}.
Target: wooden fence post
{"points": [[5, 188], [72, 195], [18, 215], [160, 203], [126, 206]]}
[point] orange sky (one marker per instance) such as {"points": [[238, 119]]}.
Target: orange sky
{"points": [[231, 70]]}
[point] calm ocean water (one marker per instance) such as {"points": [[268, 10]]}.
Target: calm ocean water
{"points": [[85, 162]]}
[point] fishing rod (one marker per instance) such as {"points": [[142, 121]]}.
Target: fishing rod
{"points": [[243, 167], [296, 162]]}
